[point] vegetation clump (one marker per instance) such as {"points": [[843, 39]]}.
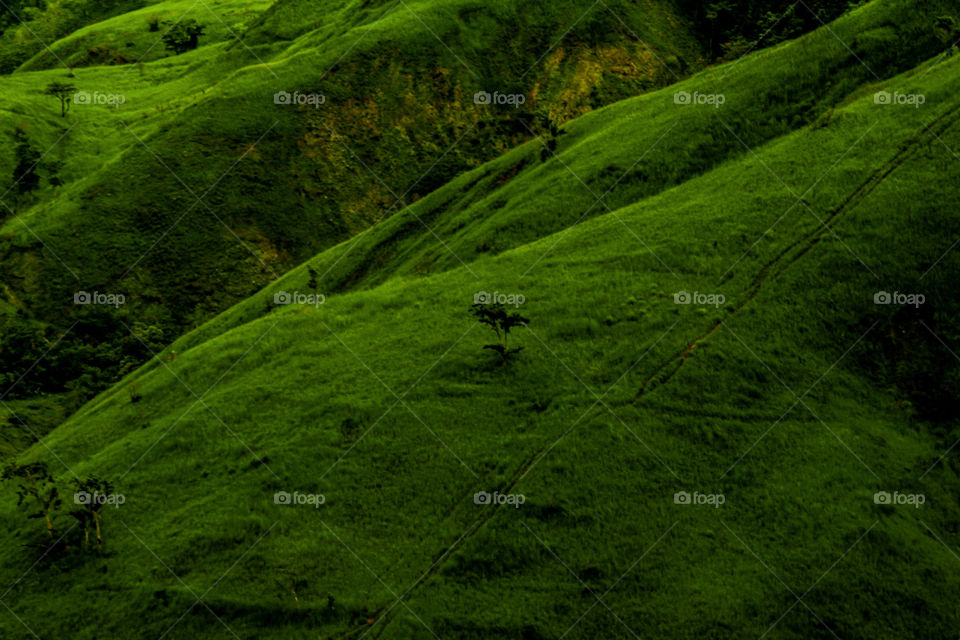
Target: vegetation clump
{"points": [[39, 498], [183, 36], [64, 92], [496, 316]]}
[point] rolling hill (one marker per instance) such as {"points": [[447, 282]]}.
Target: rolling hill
{"points": [[733, 413], [184, 187]]}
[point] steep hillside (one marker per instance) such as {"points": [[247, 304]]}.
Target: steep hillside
{"points": [[206, 190], [190, 188], [785, 401], [625, 152]]}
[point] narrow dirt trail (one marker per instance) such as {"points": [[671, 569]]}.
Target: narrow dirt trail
{"points": [[803, 245], [668, 368]]}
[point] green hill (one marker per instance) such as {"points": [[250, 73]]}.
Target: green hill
{"points": [[198, 190], [195, 189], [801, 218]]}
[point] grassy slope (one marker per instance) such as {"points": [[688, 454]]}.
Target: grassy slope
{"points": [[230, 109], [625, 152], [312, 396], [287, 182], [129, 40], [29, 31]]}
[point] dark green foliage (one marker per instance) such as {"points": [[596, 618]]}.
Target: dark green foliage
{"points": [[27, 158], [37, 358], [548, 149], [909, 357], [496, 316], [947, 29], [37, 493], [89, 505], [13, 12], [183, 36], [40, 498], [731, 27], [550, 146]]}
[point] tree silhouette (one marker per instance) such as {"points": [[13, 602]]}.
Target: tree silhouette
{"points": [[89, 511], [501, 321], [183, 36], [62, 90], [36, 491]]}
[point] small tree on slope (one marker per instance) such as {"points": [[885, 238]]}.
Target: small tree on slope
{"points": [[36, 491], [501, 321], [64, 91], [89, 499], [183, 36]]}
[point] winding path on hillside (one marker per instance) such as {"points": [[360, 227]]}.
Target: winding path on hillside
{"points": [[667, 369], [800, 247]]}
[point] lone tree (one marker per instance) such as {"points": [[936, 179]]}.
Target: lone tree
{"points": [[501, 321], [183, 36], [62, 90], [36, 491], [89, 511]]}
